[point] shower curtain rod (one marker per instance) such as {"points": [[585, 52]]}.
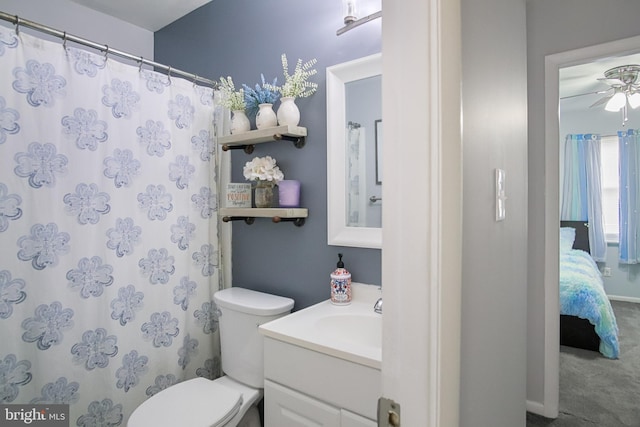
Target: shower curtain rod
{"points": [[20, 22]]}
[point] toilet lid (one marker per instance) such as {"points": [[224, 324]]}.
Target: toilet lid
{"points": [[195, 403]]}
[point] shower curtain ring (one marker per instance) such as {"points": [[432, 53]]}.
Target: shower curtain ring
{"points": [[64, 40], [106, 52], [141, 60], [169, 74], [195, 80], [17, 25]]}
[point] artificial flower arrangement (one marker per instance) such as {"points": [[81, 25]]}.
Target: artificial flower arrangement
{"points": [[262, 169], [231, 99], [265, 94], [297, 85]]}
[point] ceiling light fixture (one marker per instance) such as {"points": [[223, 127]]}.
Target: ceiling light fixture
{"points": [[634, 100], [617, 101], [624, 82], [351, 20], [349, 11]]}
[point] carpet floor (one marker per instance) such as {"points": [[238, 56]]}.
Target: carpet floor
{"points": [[596, 391]]}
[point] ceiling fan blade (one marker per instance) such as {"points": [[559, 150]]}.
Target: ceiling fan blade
{"points": [[612, 82], [601, 101], [599, 92]]}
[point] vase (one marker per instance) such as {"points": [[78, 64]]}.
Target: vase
{"points": [[288, 113], [266, 117], [264, 194], [240, 122]]}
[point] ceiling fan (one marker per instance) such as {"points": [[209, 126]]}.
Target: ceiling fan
{"points": [[625, 87], [624, 91]]}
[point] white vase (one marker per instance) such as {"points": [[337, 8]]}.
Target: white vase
{"points": [[240, 122], [288, 113], [266, 117]]}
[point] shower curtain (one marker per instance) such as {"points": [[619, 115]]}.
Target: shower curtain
{"points": [[108, 231], [356, 176]]}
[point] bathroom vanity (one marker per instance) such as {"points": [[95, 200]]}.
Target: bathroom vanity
{"points": [[322, 364]]}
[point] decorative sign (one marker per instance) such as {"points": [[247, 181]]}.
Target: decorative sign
{"points": [[238, 195]]}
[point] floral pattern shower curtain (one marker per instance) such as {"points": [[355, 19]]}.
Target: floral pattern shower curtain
{"points": [[108, 231]]}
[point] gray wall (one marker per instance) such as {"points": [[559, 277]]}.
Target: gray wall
{"points": [[555, 26], [494, 261], [221, 39]]}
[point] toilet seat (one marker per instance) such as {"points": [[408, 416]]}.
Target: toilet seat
{"points": [[187, 399]]}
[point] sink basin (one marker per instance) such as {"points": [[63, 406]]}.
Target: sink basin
{"points": [[356, 329], [352, 332]]}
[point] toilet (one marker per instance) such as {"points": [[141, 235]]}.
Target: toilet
{"points": [[230, 400]]}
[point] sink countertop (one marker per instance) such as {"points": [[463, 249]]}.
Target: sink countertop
{"points": [[305, 328]]}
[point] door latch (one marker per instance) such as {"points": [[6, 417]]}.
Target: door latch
{"points": [[388, 413]]}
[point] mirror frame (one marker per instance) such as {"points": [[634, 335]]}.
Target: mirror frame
{"points": [[338, 233]]}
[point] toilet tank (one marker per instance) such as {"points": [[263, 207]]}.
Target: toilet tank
{"points": [[241, 312]]}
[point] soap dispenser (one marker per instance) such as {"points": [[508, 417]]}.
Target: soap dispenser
{"points": [[340, 284]]}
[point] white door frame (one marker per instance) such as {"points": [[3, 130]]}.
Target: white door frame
{"points": [[422, 209], [553, 63]]}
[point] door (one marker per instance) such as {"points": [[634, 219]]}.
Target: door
{"points": [[421, 210]]}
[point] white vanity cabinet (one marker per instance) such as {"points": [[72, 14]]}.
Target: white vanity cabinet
{"points": [[322, 364], [287, 407], [305, 388]]}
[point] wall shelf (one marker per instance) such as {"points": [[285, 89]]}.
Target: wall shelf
{"points": [[248, 215], [247, 140]]}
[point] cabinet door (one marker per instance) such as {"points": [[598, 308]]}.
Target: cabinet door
{"points": [[349, 419], [284, 407]]}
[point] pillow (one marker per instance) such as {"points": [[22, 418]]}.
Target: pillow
{"points": [[567, 237]]}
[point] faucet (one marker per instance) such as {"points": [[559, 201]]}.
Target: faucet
{"points": [[377, 307]]}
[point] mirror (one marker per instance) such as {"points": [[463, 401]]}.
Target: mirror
{"points": [[354, 144]]}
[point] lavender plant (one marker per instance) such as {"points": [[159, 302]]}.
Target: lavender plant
{"points": [[265, 94]]}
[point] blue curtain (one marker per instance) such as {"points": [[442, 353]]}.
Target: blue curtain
{"points": [[581, 192], [629, 217], [108, 231]]}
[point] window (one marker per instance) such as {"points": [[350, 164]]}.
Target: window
{"points": [[610, 186]]}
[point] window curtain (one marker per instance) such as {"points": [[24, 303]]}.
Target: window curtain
{"points": [[357, 174], [629, 218], [581, 191], [108, 231]]}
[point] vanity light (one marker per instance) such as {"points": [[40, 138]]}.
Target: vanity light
{"points": [[351, 20], [349, 11]]}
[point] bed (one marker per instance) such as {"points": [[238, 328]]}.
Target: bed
{"points": [[587, 320]]}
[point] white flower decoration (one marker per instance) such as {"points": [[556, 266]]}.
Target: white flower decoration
{"points": [[262, 169]]}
